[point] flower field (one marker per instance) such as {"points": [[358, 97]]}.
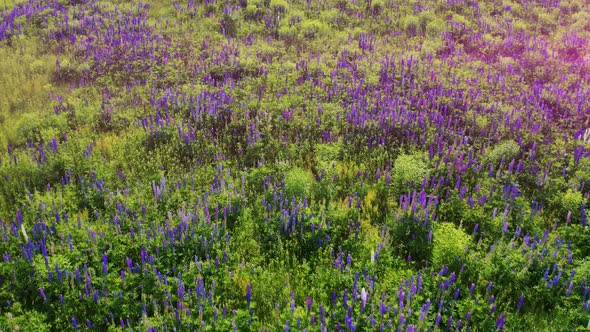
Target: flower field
{"points": [[289, 165]]}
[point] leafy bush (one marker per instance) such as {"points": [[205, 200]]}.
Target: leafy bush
{"points": [[411, 240], [311, 29], [425, 18], [298, 183], [407, 173], [411, 25], [572, 202], [435, 28], [449, 245], [506, 150]]}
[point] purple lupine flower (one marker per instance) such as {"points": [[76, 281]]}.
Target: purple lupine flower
{"points": [[309, 302], [500, 322], [520, 302], [518, 230], [248, 294], [363, 297], [105, 268], [569, 289], [75, 323], [42, 292]]}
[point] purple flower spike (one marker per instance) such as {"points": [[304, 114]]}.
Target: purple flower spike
{"points": [[500, 322], [520, 301], [105, 264], [248, 294]]}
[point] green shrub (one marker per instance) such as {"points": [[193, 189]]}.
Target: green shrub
{"points": [[377, 7], [279, 6], [311, 29], [32, 320], [424, 18], [288, 34], [327, 154], [410, 238], [449, 243], [507, 150], [582, 175], [572, 201], [228, 26], [435, 27], [298, 183], [255, 179], [411, 24], [407, 173]]}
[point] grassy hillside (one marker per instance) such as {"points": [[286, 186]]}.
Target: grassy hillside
{"points": [[308, 165]]}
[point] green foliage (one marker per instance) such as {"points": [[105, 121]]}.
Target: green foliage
{"points": [[288, 34], [327, 155], [311, 29], [411, 239], [435, 27], [425, 18], [506, 150], [411, 25], [407, 173], [450, 244], [582, 175], [16, 320], [298, 183], [223, 145], [572, 202]]}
